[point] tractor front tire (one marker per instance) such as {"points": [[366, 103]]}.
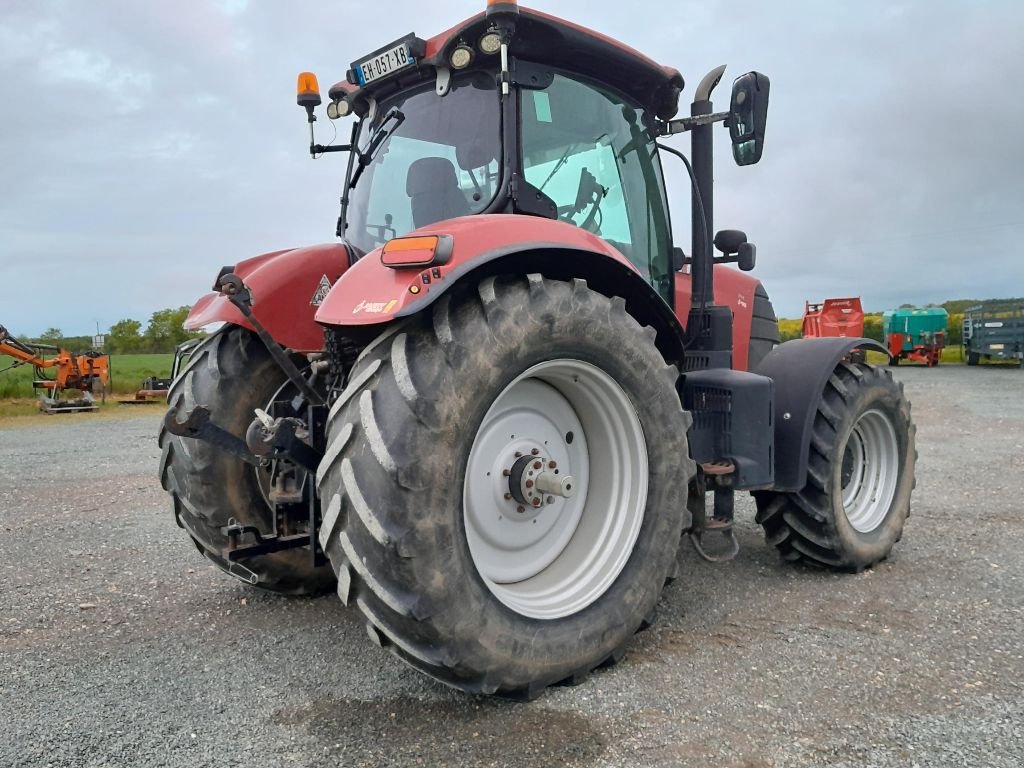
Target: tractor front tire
{"points": [[437, 449], [860, 476], [973, 358], [231, 373]]}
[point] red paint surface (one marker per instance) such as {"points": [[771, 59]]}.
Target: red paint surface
{"points": [[372, 293], [283, 284], [732, 289]]}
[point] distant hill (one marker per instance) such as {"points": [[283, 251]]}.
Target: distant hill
{"points": [[957, 306]]}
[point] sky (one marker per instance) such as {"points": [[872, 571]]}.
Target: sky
{"points": [[146, 144]]}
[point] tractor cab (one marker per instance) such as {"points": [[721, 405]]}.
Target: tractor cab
{"points": [[514, 111]]}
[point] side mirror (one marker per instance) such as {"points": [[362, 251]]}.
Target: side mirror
{"points": [[746, 258], [678, 259], [728, 241], [748, 114], [735, 249]]}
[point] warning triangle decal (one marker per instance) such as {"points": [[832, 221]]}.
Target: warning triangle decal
{"points": [[321, 292]]}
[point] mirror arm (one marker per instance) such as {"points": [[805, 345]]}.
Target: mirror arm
{"points": [[320, 149], [672, 127]]}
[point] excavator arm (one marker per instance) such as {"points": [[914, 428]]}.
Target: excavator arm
{"points": [[22, 353], [78, 372]]}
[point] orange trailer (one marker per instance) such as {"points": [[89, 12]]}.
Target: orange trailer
{"points": [[834, 318]]}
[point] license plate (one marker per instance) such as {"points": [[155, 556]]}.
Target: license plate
{"points": [[997, 346], [383, 63]]}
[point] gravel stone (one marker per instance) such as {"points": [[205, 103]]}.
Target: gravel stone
{"points": [[121, 646]]}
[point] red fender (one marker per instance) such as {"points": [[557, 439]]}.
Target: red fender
{"points": [[286, 293], [372, 294]]}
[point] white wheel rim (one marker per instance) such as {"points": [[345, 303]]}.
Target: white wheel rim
{"points": [[869, 471], [555, 560]]}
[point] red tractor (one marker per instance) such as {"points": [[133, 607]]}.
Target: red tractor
{"points": [[490, 411]]}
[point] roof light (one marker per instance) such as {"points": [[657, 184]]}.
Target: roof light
{"points": [[339, 108], [490, 43], [308, 90], [461, 57], [421, 251]]}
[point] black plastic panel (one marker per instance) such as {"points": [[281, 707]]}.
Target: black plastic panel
{"points": [[732, 421]]}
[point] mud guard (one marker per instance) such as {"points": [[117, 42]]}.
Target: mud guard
{"points": [[373, 294], [800, 370], [287, 288]]}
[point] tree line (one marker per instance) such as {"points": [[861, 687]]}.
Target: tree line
{"points": [[161, 334]]}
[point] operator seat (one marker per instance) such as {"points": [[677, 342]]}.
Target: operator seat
{"points": [[433, 189]]}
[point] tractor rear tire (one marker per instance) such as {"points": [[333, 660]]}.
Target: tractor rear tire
{"points": [[451, 572], [860, 476], [231, 373]]}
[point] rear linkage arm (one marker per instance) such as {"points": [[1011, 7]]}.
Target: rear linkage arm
{"points": [[238, 293]]}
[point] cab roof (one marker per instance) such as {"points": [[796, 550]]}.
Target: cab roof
{"points": [[545, 39]]}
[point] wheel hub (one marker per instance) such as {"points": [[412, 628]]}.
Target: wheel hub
{"points": [[534, 481]]}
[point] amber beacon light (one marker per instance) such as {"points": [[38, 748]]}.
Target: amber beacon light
{"points": [[502, 6], [308, 90]]}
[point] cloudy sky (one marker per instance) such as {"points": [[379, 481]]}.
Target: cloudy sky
{"points": [[145, 144]]}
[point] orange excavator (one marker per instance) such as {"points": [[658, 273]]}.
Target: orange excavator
{"points": [[57, 371]]}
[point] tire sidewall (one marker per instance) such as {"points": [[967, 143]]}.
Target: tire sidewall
{"points": [[466, 615], [236, 395]]}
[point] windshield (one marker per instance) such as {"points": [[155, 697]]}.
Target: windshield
{"points": [[439, 161]]}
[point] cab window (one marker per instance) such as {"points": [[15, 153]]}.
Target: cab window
{"points": [[593, 154]]}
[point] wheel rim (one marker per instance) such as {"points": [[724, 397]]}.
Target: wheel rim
{"points": [[869, 471], [554, 559]]}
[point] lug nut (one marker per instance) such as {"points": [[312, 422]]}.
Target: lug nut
{"points": [[506, 472], [535, 451], [552, 465], [551, 499], [518, 454], [536, 502], [520, 509], [508, 497], [538, 465], [529, 483]]}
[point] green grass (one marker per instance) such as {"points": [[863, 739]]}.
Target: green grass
{"points": [[126, 372]]}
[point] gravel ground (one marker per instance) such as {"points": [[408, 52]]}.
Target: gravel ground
{"points": [[120, 646]]}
